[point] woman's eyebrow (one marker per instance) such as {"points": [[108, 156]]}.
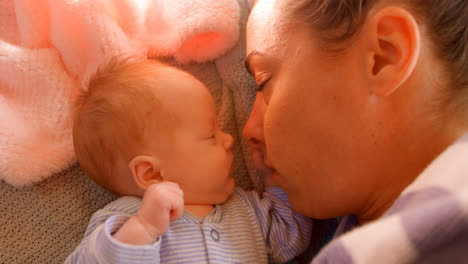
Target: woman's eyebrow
{"points": [[248, 60]]}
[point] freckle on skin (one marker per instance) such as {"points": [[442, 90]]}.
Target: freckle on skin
{"points": [[374, 140]]}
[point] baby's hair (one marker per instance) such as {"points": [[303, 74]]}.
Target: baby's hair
{"points": [[446, 21], [113, 116]]}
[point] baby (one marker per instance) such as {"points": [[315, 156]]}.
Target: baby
{"points": [[148, 132]]}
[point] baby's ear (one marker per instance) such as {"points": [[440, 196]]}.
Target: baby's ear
{"points": [[145, 171]]}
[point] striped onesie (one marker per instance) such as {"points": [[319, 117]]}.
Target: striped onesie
{"points": [[244, 229]]}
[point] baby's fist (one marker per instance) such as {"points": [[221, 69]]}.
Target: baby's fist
{"points": [[162, 202]]}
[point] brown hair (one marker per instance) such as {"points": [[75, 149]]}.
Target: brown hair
{"points": [[446, 20], [113, 117]]}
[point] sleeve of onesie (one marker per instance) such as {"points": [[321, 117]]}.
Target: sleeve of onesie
{"points": [[286, 232], [98, 244]]}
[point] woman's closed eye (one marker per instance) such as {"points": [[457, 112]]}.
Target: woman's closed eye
{"points": [[260, 86]]}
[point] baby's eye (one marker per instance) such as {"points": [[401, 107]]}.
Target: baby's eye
{"points": [[213, 136]]}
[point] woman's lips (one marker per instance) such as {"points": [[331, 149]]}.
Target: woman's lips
{"points": [[258, 160]]}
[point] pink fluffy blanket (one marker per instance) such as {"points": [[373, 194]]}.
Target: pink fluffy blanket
{"points": [[49, 48]]}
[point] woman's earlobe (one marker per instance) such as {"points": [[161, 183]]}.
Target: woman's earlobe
{"points": [[395, 47], [145, 171]]}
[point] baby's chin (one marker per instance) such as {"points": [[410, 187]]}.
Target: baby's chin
{"points": [[227, 191], [231, 185]]}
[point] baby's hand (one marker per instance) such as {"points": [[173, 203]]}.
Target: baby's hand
{"points": [[161, 203]]}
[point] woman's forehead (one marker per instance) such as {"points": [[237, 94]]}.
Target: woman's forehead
{"points": [[264, 27]]}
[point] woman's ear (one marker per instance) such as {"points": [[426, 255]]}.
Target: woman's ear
{"points": [[393, 47], [145, 171]]}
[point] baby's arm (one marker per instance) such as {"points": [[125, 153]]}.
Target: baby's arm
{"points": [[100, 245], [287, 233]]}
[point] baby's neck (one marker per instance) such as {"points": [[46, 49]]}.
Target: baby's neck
{"points": [[199, 210]]}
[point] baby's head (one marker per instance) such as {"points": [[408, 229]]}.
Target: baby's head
{"points": [[144, 122]]}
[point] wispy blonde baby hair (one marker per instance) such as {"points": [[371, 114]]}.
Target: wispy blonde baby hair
{"points": [[114, 118]]}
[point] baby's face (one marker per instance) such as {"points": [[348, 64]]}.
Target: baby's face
{"points": [[199, 158]]}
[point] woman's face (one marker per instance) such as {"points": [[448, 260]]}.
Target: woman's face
{"points": [[318, 131]]}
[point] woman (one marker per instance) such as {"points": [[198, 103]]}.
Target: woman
{"points": [[364, 116]]}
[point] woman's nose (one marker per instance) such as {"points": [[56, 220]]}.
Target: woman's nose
{"points": [[253, 130], [256, 143], [253, 135]]}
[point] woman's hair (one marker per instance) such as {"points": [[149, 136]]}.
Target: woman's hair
{"points": [[338, 21], [112, 119]]}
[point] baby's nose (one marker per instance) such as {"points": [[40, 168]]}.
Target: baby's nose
{"points": [[228, 141]]}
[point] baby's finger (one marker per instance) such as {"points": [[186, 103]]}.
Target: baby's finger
{"points": [[177, 208]]}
